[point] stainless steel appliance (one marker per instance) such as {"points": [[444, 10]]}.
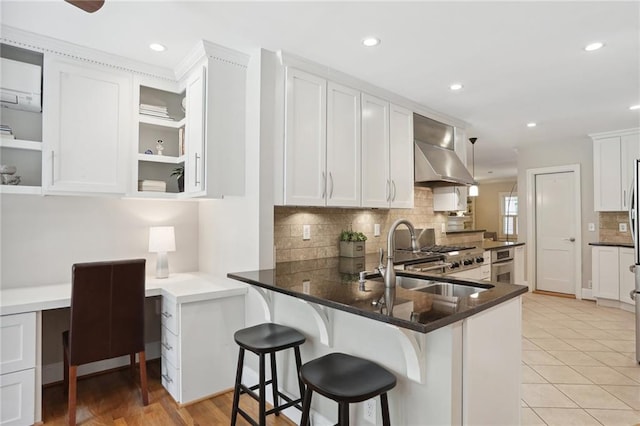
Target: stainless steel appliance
{"points": [[635, 233], [502, 269]]}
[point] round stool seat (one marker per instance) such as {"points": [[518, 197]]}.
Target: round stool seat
{"points": [[346, 378], [268, 337]]}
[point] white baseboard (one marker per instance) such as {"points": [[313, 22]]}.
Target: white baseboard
{"points": [[250, 377], [52, 373], [587, 293]]}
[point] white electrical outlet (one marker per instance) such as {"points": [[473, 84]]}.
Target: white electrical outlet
{"points": [[306, 232], [306, 286], [622, 227], [376, 230], [370, 410], [592, 227]]}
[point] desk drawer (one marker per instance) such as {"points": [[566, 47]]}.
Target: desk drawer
{"points": [[17, 405], [17, 342], [169, 315], [170, 346], [171, 379]]}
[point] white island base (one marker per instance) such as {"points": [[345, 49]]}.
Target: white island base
{"points": [[466, 373]]}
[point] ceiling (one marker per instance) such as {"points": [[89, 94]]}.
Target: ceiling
{"points": [[519, 62]]}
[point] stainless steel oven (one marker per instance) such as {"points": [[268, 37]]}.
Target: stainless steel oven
{"points": [[502, 269]]}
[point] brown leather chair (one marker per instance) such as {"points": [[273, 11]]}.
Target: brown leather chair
{"points": [[107, 320]]}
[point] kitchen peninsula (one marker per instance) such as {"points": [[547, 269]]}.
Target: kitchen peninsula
{"points": [[457, 357]]}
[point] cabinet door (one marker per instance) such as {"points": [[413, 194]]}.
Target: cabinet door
{"points": [[17, 342], [607, 195], [195, 133], [305, 139], [86, 127], [17, 404], [343, 146], [605, 271], [401, 152], [376, 182], [449, 198], [629, 152], [627, 278], [461, 192]]}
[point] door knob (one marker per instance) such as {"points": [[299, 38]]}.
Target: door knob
{"points": [[569, 239], [632, 268]]}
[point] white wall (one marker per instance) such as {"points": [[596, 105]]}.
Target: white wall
{"points": [[43, 236], [557, 153]]}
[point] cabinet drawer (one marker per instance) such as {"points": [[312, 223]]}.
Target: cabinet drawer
{"points": [[171, 379], [170, 346], [169, 315], [17, 404], [17, 342]]}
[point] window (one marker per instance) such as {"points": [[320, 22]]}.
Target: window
{"points": [[508, 215]]}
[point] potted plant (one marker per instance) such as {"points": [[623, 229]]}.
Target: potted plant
{"points": [[352, 244], [178, 172]]}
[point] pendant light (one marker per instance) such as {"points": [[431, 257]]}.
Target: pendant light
{"points": [[473, 189]]}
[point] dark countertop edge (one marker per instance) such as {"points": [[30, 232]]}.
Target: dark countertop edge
{"points": [[465, 231], [422, 328], [605, 244], [500, 244]]}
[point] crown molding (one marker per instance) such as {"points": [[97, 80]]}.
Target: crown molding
{"points": [[206, 49], [40, 43], [614, 133]]}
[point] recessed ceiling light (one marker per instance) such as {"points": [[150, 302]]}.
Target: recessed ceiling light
{"points": [[456, 86], [371, 41], [157, 47], [532, 124], [633, 107], [594, 46]]}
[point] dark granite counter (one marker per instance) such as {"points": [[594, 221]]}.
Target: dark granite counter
{"points": [[330, 283], [626, 245], [495, 245]]}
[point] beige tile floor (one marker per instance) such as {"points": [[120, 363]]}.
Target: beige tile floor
{"points": [[578, 363]]}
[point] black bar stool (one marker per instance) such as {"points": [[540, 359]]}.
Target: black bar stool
{"points": [[265, 339], [346, 379]]}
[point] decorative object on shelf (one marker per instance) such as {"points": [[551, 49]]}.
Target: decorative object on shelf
{"points": [[159, 146], [148, 151], [178, 172], [352, 244], [473, 189], [161, 241], [183, 104], [6, 132], [7, 175]]}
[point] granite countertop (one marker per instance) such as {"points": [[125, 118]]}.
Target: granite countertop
{"points": [[495, 245], [331, 282], [602, 243]]}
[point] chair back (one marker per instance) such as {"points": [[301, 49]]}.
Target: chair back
{"points": [[107, 310]]}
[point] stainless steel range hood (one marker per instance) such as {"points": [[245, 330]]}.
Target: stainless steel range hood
{"points": [[436, 163]]}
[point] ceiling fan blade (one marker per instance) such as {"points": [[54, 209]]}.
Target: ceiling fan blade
{"points": [[87, 5]]}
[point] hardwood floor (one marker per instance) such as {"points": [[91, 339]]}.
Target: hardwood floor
{"points": [[114, 399]]}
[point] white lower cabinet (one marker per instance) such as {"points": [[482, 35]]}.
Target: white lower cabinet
{"points": [[612, 280], [627, 278], [198, 350], [17, 368]]}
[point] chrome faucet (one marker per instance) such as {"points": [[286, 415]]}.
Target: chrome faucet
{"points": [[388, 272]]}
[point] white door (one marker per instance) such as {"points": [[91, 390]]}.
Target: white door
{"points": [[305, 139], [343, 146], [555, 219], [376, 185], [401, 152]]}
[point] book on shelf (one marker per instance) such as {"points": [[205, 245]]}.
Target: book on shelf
{"points": [[152, 185], [181, 141], [7, 136]]}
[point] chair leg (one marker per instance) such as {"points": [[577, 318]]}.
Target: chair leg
{"points": [[298, 366], [274, 382], [343, 414], [236, 389], [384, 402], [143, 377], [306, 407], [73, 375], [262, 403]]}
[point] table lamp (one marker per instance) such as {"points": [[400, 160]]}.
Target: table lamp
{"points": [[162, 240]]}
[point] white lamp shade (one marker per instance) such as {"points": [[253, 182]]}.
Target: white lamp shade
{"points": [[161, 239], [473, 191]]}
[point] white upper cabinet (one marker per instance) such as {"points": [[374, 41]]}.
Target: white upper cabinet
{"points": [[401, 156], [376, 182], [195, 132], [613, 157], [87, 114], [305, 139], [343, 146], [449, 198]]}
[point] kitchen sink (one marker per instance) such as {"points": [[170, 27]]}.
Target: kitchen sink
{"points": [[437, 288]]}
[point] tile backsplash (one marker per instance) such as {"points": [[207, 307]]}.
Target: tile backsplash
{"points": [[327, 223], [609, 231]]}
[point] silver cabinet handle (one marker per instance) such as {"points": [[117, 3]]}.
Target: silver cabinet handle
{"points": [[167, 346], [324, 184], [624, 198], [167, 378], [166, 315], [53, 167], [197, 157], [393, 182], [331, 181], [388, 190], [632, 294]]}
